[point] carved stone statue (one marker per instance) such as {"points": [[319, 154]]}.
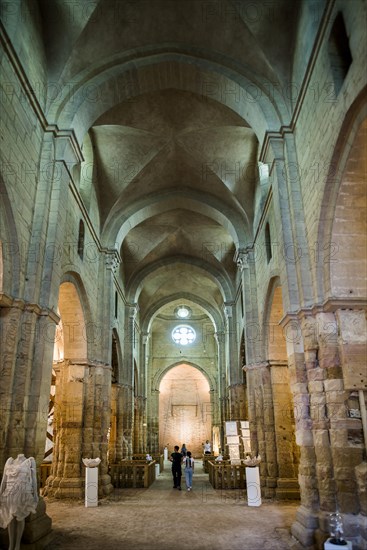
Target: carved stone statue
{"points": [[18, 496], [91, 462]]}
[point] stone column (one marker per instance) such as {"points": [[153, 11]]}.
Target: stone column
{"points": [[114, 449], [301, 352], [347, 434], [82, 416], [262, 427], [233, 368], [237, 399], [331, 441], [125, 420], [287, 453], [129, 407], [26, 338], [153, 426], [139, 415], [223, 397]]}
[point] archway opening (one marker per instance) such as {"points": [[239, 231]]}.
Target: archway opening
{"points": [[65, 421], [287, 452], [348, 245], [184, 409]]}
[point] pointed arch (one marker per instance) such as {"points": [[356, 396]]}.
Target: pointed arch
{"points": [[79, 332], [328, 251]]}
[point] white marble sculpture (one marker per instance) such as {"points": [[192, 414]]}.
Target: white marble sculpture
{"points": [[250, 462], [91, 462], [18, 496]]}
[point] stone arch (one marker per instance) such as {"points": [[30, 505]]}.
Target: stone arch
{"points": [[215, 274], [184, 407], [274, 341], [335, 231], [348, 273], [76, 332], [162, 372], [278, 399], [116, 80], [122, 219], [215, 317], [9, 246]]}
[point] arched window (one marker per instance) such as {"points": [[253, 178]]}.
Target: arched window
{"points": [[116, 304], [114, 361], [269, 253], [339, 53], [81, 239]]}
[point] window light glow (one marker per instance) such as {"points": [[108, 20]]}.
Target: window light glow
{"points": [[183, 335]]}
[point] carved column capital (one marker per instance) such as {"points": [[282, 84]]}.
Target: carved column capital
{"points": [[241, 258], [112, 259]]}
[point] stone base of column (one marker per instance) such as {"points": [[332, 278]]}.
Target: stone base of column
{"points": [[105, 484], [287, 489], [268, 489], [64, 487], [303, 529], [37, 530], [74, 487]]}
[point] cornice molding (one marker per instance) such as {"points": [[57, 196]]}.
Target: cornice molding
{"points": [[255, 366], [7, 301], [328, 306]]}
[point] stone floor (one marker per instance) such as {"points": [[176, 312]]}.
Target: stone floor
{"points": [[162, 518]]}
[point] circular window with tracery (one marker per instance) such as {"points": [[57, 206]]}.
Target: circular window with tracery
{"points": [[183, 335], [183, 312]]}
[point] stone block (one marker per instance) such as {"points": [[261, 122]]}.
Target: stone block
{"points": [[348, 503], [271, 482], [339, 438], [361, 479], [299, 388], [334, 385], [304, 438], [36, 529], [316, 374], [302, 534], [315, 386], [324, 458]]}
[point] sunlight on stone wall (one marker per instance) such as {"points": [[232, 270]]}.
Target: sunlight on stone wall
{"points": [[184, 409]]}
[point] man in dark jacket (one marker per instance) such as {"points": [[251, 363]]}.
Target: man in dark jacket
{"points": [[176, 459]]}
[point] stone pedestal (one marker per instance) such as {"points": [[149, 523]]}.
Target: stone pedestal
{"points": [[253, 486], [165, 453], [329, 546], [37, 530], [91, 487]]}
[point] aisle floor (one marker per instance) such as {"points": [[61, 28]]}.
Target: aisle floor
{"points": [[163, 518]]}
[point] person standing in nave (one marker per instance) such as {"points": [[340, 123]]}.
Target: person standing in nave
{"points": [[176, 459], [207, 448], [189, 470]]}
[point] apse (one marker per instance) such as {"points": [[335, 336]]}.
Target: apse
{"points": [[184, 409]]}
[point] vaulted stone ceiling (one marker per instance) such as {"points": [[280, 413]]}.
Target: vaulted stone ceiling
{"points": [[162, 91]]}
